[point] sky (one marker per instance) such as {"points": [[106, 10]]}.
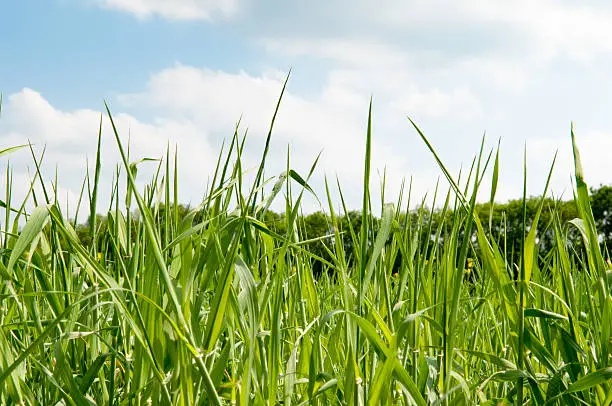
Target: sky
{"points": [[184, 72]]}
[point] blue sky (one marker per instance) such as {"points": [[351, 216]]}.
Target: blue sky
{"points": [[185, 71], [78, 54]]}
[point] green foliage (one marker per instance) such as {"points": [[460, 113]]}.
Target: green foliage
{"points": [[601, 203], [230, 303]]}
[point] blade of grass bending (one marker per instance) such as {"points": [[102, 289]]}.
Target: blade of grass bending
{"points": [[253, 194], [472, 218], [530, 241], [380, 383], [10, 150], [599, 377], [463, 252], [594, 255], [447, 174], [274, 355], [248, 285], [95, 271], [365, 208], [38, 173], [494, 185], [151, 234], [379, 243], [31, 230], [388, 353], [96, 181], [40, 339], [584, 208]]}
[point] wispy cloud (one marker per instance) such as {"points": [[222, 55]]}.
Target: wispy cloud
{"points": [[175, 9]]}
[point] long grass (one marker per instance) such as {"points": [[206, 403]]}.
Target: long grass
{"points": [[214, 306]]}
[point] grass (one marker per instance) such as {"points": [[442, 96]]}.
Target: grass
{"points": [[214, 307]]}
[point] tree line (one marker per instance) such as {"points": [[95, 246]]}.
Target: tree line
{"points": [[504, 223]]}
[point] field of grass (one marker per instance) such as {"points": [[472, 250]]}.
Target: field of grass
{"points": [[214, 307]]}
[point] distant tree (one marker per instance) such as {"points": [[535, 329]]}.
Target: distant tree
{"points": [[317, 225], [504, 224], [601, 203], [275, 222]]}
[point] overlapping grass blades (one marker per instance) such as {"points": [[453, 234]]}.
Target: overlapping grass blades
{"points": [[217, 305]]}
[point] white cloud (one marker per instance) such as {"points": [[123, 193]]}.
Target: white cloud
{"points": [[215, 100], [516, 69], [333, 121], [363, 67], [196, 108], [174, 9], [547, 27], [460, 103], [351, 52], [520, 70], [461, 48], [69, 140], [412, 80]]}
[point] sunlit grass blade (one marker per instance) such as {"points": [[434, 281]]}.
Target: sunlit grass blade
{"points": [[154, 241]]}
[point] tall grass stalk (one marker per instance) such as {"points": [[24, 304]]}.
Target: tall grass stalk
{"points": [[214, 304]]}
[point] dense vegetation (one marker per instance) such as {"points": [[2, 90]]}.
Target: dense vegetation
{"points": [[505, 220], [223, 303]]}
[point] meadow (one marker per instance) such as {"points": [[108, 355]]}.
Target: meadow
{"points": [[214, 306]]}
